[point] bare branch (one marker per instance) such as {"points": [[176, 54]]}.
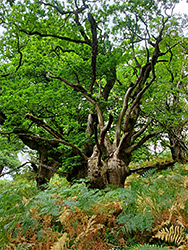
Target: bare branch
{"points": [[122, 113], [21, 56], [141, 142], [136, 135], [79, 10], [159, 166], [81, 29], [75, 12], [121, 144], [6, 133], [13, 170], [169, 50], [136, 100], [107, 142], [62, 50], [133, 54]]}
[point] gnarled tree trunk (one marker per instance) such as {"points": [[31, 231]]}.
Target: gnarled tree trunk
{"points": [[178, 148], [110, 171]]}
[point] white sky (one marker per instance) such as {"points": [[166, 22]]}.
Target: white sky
{"points": [[182, 7]]}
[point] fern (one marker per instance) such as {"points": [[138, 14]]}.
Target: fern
{"points": [[148, 247], [148, 173], [173, 235], [61, 244], [135, 222]]}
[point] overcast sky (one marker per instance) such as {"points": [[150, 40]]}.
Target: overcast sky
{"points": [[182, 7]]}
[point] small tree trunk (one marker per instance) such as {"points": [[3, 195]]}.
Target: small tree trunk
{"points": [[46, 170], [178, 154], [177, 149]]}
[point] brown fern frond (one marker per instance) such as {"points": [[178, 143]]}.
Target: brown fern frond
{"points": [[61, 243], [173, 235]]}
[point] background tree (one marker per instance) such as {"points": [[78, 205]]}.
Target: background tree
{"points": [[169, 99]]}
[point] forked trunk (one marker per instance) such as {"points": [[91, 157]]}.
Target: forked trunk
{"points": [[109, 171]]}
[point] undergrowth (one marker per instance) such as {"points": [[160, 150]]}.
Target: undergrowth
{"points": [[149, 213]]}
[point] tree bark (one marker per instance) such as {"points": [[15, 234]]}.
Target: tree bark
{"points": [[44, 172], [109, 170], [177, 148]]}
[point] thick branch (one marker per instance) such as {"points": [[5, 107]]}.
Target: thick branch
{"points": [[76, 149], [105, 129], [159, 166], [122, 113], [107, 142], [136, 101], [41, 123], [94, 50], [121, 144], [81, 29]]}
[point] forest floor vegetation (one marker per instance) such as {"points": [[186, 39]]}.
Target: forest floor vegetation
{"points": [[150, 212]]}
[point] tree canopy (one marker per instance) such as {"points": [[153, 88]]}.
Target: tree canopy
{"points": [[87, 83]]}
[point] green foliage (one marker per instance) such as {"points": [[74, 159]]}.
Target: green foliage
{"points": [[41, 40], [148, 247]]}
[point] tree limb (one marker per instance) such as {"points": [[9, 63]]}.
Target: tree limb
{"points": [[62, 50], [136, 101], [136, 135], [105, 129], [76, 87], [21, 57], [81, 29], [122, 113], [158, 165], [76, 149], [78, 10], [54, 36], [141, 142], [121, 144], [12, 170], [94, 49], [41, 123]]}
